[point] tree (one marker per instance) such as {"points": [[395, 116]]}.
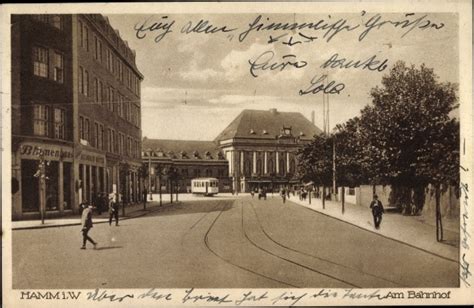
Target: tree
{"points": [[409, 110], [315, 162]]}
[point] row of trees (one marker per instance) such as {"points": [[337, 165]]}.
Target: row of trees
{"points": [[406, 138]]}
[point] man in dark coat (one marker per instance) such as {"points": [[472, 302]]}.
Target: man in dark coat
{"points": [[377, 211], [86, 223], [145, 195], [113, 210]]}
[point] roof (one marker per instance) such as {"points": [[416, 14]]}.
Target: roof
{"points": [[267, 124], [181, 149]]}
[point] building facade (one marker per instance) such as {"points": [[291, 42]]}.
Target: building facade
{"points": [[257, 150], [261, 148], [189, 159], [76, 108]]}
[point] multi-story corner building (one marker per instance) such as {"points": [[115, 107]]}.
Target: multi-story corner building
{"points": [[261, 147], [189, 158], [75, 105]]}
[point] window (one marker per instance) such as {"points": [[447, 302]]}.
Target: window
{"points": [[86, 130], [53, 20], [100, 51], [80, 28], [119, 104], [96, 90], [59, 121], [100, 93], [100, 144], [40, 61], [86, 83], [81, 79], [282, 167], [351, 191], [96, 135], [81, 127], [56, 21], [41, 120], [58, 65], [96, 48], [111, 98]]}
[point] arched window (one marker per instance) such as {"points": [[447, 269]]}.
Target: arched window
{"points": [[259, 166], [282, 167], [292, 166], [271, 168], [247, 168]]}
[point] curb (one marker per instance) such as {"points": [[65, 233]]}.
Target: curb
{"points": [[379, 234], [154, 209]]}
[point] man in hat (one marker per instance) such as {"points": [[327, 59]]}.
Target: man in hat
{"points": [[86, 222], [377, 211], [113, 210]]}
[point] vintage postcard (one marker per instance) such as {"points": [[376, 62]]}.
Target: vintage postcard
{"points": [[237, 154]]}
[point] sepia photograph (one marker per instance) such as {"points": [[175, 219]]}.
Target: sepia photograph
{"points": [[197, 150]]}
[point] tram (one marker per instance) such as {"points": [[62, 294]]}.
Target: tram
{"points": [[205, 186]]}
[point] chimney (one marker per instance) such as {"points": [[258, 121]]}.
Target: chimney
{"points": [[312, 117], [273, 111]]}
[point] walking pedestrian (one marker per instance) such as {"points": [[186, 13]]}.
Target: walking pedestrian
{"points": [[145, 194], [113, 211], [283, 194], [377, 211], [86, 223]]}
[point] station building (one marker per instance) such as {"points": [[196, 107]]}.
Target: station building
{"points": [[75, 105], [257, 149], [189, 158], [261, 145]]}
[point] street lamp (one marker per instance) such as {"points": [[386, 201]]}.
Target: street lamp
{"points": [[149, 152]]}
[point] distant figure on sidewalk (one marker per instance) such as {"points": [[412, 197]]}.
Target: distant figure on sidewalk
{"points": [[113, 211], [283, 194], [377, 211], [86, 223], [145, 194], [252, 193]]}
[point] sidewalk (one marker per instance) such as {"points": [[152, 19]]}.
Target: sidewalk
{"points": [[411, 230], [132, 211]]}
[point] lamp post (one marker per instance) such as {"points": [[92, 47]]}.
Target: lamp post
{"points": [[150, 152], [41, 175]]}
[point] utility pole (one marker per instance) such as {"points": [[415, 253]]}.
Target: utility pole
{"points": [[149, 175]]}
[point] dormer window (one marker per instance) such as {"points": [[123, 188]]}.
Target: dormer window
{"points": [[252, 132], [208, 155], [287, 131], [265, 132], [195, 154], [302, 134], [183, 154]]}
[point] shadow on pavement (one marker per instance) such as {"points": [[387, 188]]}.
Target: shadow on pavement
{"points": [[191, 207], [108, 247]]}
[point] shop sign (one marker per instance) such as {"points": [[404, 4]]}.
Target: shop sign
{"points": [[92, 158], [48, 151]]}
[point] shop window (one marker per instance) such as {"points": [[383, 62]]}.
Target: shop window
{"points": [[29, 186], [67, 178], [41, 120], [52, 172], [59, 120], [40, 62], [58, 65]]}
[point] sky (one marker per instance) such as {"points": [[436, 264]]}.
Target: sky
{"points": [[195, 84]]}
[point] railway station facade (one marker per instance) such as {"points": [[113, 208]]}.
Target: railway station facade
{"points": [[75, 107], [257, 149]]}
